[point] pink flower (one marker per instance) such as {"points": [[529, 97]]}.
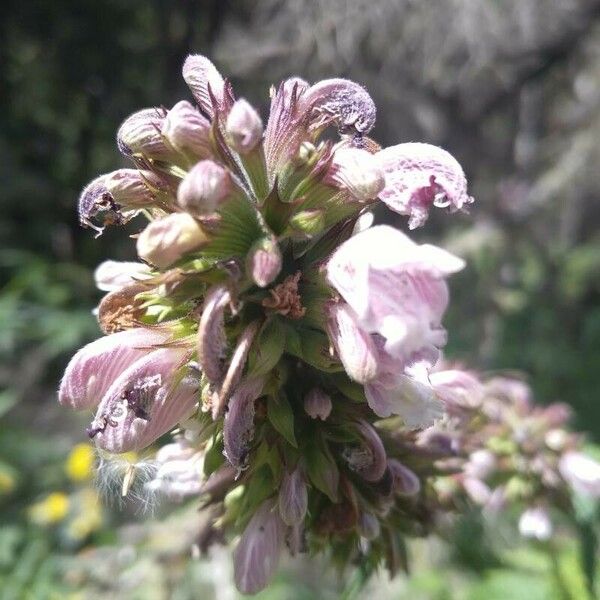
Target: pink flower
{"points": [[390, 331], [146, 401], [419, 176], [396, 288], [457, 388], [256, 556], [95, 367], [293, 497]]}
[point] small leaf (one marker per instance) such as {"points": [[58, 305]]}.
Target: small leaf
{"points": [[322, 469], [267, 349], [281, 416]]}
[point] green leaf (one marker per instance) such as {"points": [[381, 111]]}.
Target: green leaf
{"points": [[281, 415], [267, 349], [322, 469]]}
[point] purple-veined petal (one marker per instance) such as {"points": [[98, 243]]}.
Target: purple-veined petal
{"points": [[284, 132], [341, 102], [205, 186], [146, 401], [256, 556], [419, 176], [238, 428], [95, 367], [204, 80], [353, 345], [141, 133], [211, 333]]}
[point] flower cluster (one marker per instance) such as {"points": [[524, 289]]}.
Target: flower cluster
{"points": [[281, 353]]}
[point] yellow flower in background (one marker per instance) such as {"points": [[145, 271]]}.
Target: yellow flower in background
{"points": [[8, 479], [80, 463], [52, 509]]}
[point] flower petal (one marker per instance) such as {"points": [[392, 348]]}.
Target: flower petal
{"points": [[144, 402], [238, 429], [419, 176], [256, 556], [353, 345], [95, 367], [412, 400], [339, 101], [114, 275], [206, 83]]}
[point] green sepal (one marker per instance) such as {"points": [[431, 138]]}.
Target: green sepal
{"points": [[314, 349]]}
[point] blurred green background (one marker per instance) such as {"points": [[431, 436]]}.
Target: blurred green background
{"points": [[511, 88]]}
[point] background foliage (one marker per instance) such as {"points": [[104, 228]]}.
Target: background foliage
{"points": [[512, 88]]}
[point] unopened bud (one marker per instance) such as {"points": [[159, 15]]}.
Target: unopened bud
{"points": [[131, 188], [187, 130], [204, 187], [358, 172], [256, 556], [405, 482], [317, 404], [264, 262], [477, 490], [244, 127], [140, 133], [166, 240], [309, 222], [293, 498]]}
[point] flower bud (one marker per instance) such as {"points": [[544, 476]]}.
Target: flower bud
{"points": [[95, 367], [309, 222], [457, 388], [368, 526], [358, 172], [264, 261], [144, 403], [140, 133], [238, 429], [369, 460], [244, 128], [293, 498], [317, 404], [535, 523], [114, 275], [405, 482], [132, 188], [187, 130], [166, 240], [205, 186], [256, 556]]}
